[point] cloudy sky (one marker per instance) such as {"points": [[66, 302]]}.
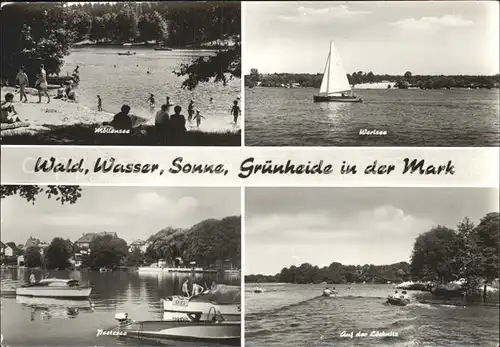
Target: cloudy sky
{"points": [[132, 212], [291, 226], [428, 37]]}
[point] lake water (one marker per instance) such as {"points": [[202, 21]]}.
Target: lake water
{"points": [[297, 315], [41, 322], [289, 117], [125, 80]]}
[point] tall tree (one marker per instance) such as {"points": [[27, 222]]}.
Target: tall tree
{"points": [[58, 254]]}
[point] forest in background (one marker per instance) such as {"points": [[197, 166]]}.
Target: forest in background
{"points": [[408, 80], [439, 255]]}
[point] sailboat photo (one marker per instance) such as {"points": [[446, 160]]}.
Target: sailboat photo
{"points": [[334, 86]]}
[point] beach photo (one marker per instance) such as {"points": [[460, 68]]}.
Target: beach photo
{"points": [[127, 266], [371, 267], [394, 73], [121, 73]]}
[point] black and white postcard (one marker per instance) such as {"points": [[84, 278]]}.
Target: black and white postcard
{"points": [[121, 73], [393, 73], [128, 266]]}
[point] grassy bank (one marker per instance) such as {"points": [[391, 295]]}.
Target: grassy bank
{"points": [[84, 134]]}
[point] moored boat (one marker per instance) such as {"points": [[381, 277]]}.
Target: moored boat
{"points": [[55, 288], [335, 86], [126, 53], [329, 292], [224, 299], [193, 329], [162, 48], [257, 290]]}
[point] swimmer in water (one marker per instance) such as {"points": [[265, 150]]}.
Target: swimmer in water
{"points": [[235, 111], [190, 110], [151, 100], [198, 118]]}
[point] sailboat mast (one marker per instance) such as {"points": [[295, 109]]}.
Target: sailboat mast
{"points": [[328, 67]]}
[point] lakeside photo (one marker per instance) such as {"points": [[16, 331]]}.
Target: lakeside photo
{"points": [[413, 73], [129, 266], [371, 267], [113, 73]]}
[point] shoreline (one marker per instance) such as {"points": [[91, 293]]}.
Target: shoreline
{"points": [[67, 123]]}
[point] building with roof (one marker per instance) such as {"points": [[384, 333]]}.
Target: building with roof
{"points": [[85, 240]]}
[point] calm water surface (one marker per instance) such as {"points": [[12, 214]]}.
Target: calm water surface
{"points": [[52, 322], [297, 315], [289, 117], [129, 83]]}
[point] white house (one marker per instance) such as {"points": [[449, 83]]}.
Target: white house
{"points": [[6, 250], [138, 244]]}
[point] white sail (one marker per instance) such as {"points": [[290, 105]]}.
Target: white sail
{"points": [[334, 78]]}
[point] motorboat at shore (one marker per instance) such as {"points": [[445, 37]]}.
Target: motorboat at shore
{"points": [[55, 288], [213, 329], [397, 301]]}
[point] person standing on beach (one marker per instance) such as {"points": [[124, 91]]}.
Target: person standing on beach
{"points": [[23, 81], [41, 84], [177, 126], [99, 103], [162, 120], [190, 110], [235, 111], [8, 112]]}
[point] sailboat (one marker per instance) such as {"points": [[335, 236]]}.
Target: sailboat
{"points": [[334, 86]]}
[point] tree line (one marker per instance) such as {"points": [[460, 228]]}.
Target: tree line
{"points": [[209, 243], [402, 82], [337, 273], [43, 33]]}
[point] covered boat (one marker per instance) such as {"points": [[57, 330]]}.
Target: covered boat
{"points": [[223, 298], [55, 288], [335, 86], [192, 329]]}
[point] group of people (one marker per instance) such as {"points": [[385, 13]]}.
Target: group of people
{"points": [[41, 84]]}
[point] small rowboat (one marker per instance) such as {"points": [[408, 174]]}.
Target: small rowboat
{"points": [[192, 329], [55, 288]]}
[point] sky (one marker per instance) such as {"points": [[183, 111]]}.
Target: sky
{"points": [[424, 37], [132, 212], [353, 226]]}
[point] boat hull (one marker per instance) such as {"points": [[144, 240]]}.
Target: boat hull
{"points": [[55, 292], [334, 98], [177, 307], [184, 331]]}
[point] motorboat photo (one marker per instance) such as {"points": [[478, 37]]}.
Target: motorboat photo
{"points": [[213, 329], [55, 288]]}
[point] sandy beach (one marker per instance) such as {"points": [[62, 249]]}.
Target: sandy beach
{"points": [[57, 112]]}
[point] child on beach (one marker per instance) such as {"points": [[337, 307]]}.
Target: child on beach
{"points": [[8, 110], [198, 118], [235, 111], [23, 81], [99, 103]]}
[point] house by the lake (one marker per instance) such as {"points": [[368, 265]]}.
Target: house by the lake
{"points": [[84, 241]]}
